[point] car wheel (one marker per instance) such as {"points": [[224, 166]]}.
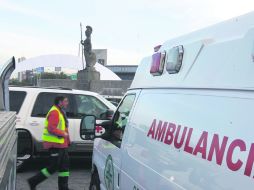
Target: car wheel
{"points": [[24, 149], [95, 182]]}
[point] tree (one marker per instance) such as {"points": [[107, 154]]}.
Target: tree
{"points": [[53, 76], [32, 80], [16, 82]]}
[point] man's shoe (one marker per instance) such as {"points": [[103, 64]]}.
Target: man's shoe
{"points": [[31, 186], [63, 183], [35, 180]]}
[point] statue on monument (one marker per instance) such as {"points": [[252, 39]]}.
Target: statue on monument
{"points": [[89, 55], [85, 76]]}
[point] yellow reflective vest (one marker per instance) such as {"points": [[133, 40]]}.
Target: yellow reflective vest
{"points": [[48, 137]]}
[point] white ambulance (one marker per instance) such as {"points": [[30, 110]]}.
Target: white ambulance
{"points": [[187, 122]]}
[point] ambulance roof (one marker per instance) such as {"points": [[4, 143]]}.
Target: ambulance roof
{"points": [[220, 56]]}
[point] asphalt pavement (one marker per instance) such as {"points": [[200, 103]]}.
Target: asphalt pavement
{"points": [[79, 175]]}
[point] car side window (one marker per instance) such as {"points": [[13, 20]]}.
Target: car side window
{"points": [[45, 101], [121, 116], [16, 100], [89, 105]]}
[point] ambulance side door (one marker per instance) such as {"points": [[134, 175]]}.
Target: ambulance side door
{"points": [[110, 150]]}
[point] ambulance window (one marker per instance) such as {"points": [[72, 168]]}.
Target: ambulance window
{"points": [[174, 59], [121, 116]]}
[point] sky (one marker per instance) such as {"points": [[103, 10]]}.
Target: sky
{"points": [[129, 29]]}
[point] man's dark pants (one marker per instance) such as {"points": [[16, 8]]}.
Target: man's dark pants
{"points": [[58, 161]]}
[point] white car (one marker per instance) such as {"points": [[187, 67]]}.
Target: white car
{"points": [[32, 104], [187, 121]]}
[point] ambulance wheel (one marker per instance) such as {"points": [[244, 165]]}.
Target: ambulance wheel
{"points": [[95, 182]]}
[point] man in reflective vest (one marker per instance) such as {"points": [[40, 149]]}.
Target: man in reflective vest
{"points": [[56, 140]]}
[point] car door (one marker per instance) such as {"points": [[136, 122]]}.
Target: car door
{"points": [[38, 112], [109, 152]]}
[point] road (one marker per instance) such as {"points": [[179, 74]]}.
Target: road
{"points": [[79, 175]]}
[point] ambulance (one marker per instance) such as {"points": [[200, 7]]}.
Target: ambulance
{"points": [[187, 121]]}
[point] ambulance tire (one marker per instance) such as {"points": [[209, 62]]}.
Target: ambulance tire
{"points": [[95, 182]]}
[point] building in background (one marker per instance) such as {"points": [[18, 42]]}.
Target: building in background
{"points": [[125, 72], [21, 59], [39, 72], [101, 55], [21, 76], [27, 75]]}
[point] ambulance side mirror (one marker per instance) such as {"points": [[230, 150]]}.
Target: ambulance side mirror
{"points": [[87, 127]]}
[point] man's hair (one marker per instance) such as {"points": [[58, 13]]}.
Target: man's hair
{"points": [[58, 99]]}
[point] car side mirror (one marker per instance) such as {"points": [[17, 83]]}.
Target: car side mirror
{"points": [[87, 127]]}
